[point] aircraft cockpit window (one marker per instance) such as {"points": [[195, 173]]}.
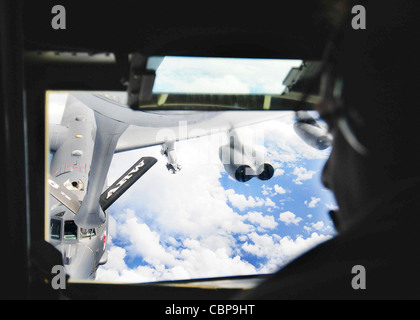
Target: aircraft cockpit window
{"points": [[206, 83], [70, 230], [55, 229]]}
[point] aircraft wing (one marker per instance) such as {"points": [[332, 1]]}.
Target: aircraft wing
{"points": [[148, 128]]}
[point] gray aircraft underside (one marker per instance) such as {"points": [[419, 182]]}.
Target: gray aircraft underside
{"points": [[83, 250]]}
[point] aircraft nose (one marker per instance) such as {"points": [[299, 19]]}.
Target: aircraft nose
{"points": [[78, 261]]}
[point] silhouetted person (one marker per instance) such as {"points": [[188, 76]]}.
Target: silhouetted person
{"points": [[373, 169]]}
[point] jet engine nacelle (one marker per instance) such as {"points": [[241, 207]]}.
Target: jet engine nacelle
{"points": [[308, 129], [266, 171], [243, 162]]}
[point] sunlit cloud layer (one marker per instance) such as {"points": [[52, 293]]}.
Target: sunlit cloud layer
{"points": [[199, 223]]}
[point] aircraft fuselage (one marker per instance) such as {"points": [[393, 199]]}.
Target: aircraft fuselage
{"points": [[83, 250]]}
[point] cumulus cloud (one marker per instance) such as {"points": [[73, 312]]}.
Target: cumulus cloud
{"points": [[279, 190], [318, 226], [269, 190], [302, 174], [289, 217], [263, 221], [210, 256], [242, 202], [143, 242], [184, 228], [280, 250], [266, 190], [269, 203], [313, 203], [278, 172], [331, 206]]}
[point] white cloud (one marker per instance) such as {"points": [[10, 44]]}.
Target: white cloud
{"points": [[279, 190], [269, 190], [313, 203], [278, 172], [302, 174], [289, 217], [279, 250], [269, 203], [263, 221], [318, 226], [266, 190], [242, 202], [143, 242], [192, 261], [210, 256], [331, 206]]}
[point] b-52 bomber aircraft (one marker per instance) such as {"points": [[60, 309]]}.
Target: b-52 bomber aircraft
{"points": [[94, 126]]}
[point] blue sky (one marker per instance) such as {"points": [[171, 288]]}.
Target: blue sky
{"points": [[200, 222], [222, 75]]}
